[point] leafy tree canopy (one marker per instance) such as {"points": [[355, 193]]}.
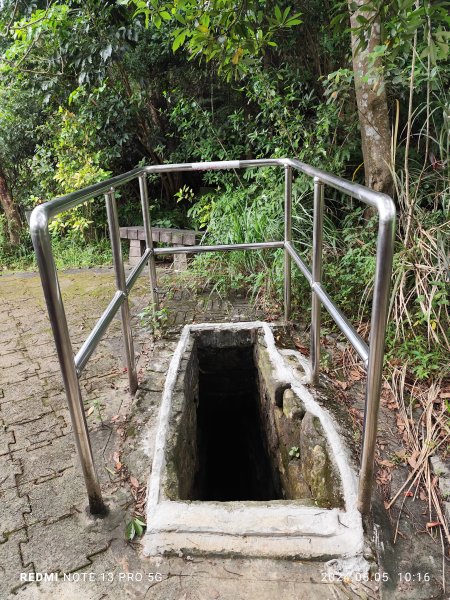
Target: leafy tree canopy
{"points": [[233, 34]]}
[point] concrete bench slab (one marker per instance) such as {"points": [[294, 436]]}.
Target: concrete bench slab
{"points": [[174, 237]]}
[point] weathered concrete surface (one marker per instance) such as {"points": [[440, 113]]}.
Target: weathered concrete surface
{"points": [[314, 471]]}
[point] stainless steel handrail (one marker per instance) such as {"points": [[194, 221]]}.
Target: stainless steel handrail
{"points": [[71, 367]]}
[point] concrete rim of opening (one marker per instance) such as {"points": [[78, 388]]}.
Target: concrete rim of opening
{"points": [[271, 529]]}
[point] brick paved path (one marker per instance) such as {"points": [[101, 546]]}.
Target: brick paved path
{"points": [[44, 528]]}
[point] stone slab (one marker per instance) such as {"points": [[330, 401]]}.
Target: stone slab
{"points": [[45, 462], [64, 546], [38, 432], [54, 498], [13, 510], [24, 411], [10, 469], [11, 564]]}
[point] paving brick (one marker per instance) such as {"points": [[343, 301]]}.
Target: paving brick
{"points": [[11, 344], [55, 401], [45, 462], [13, 512], [11, 564], [23, 411], [65, 491], [40, 431], [63, 546], [53, 383], [18, 375], [43, 341], [8, 328], [11, 467], [40, 351], [48, 365], [6, 438], [32, 387]]}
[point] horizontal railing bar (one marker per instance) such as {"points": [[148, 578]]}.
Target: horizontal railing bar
{"points": [[216, 165], [218, 248], [382, 202], [298, 261], [343, 323], [63, 203], [44, 212], [131, 279], [97, 333]]}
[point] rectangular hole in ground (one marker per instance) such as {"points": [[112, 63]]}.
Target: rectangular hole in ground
{"points": [[233, 462]]}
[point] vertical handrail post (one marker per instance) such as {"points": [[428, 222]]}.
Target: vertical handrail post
{"points": [[287, 238], [149, 241], [316, 278], [57, 315], [113, 222], [380, 303]]}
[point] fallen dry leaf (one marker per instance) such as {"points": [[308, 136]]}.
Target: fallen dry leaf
{"points": [[90, 411], [400, 423], [118, 466], [433, 524], [383, 477], [342, 384], [386, 463], [355, 375], [412, 460], [303, 349], [116, 457], [356, 413], [134, 482]]}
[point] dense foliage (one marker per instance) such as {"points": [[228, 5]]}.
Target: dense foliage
{"points": [[93, 88]]}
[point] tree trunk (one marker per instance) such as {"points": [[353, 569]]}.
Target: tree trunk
{"points": [[372, 107], [13, 219]]}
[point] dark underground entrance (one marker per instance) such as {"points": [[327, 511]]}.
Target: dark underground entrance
{"points": [[233, 427], [233, 458]]}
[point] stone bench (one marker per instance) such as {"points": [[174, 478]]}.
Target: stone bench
{"points": [[174, 237]]}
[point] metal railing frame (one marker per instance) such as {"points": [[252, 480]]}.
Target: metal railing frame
{"points": [[72, 366]]}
